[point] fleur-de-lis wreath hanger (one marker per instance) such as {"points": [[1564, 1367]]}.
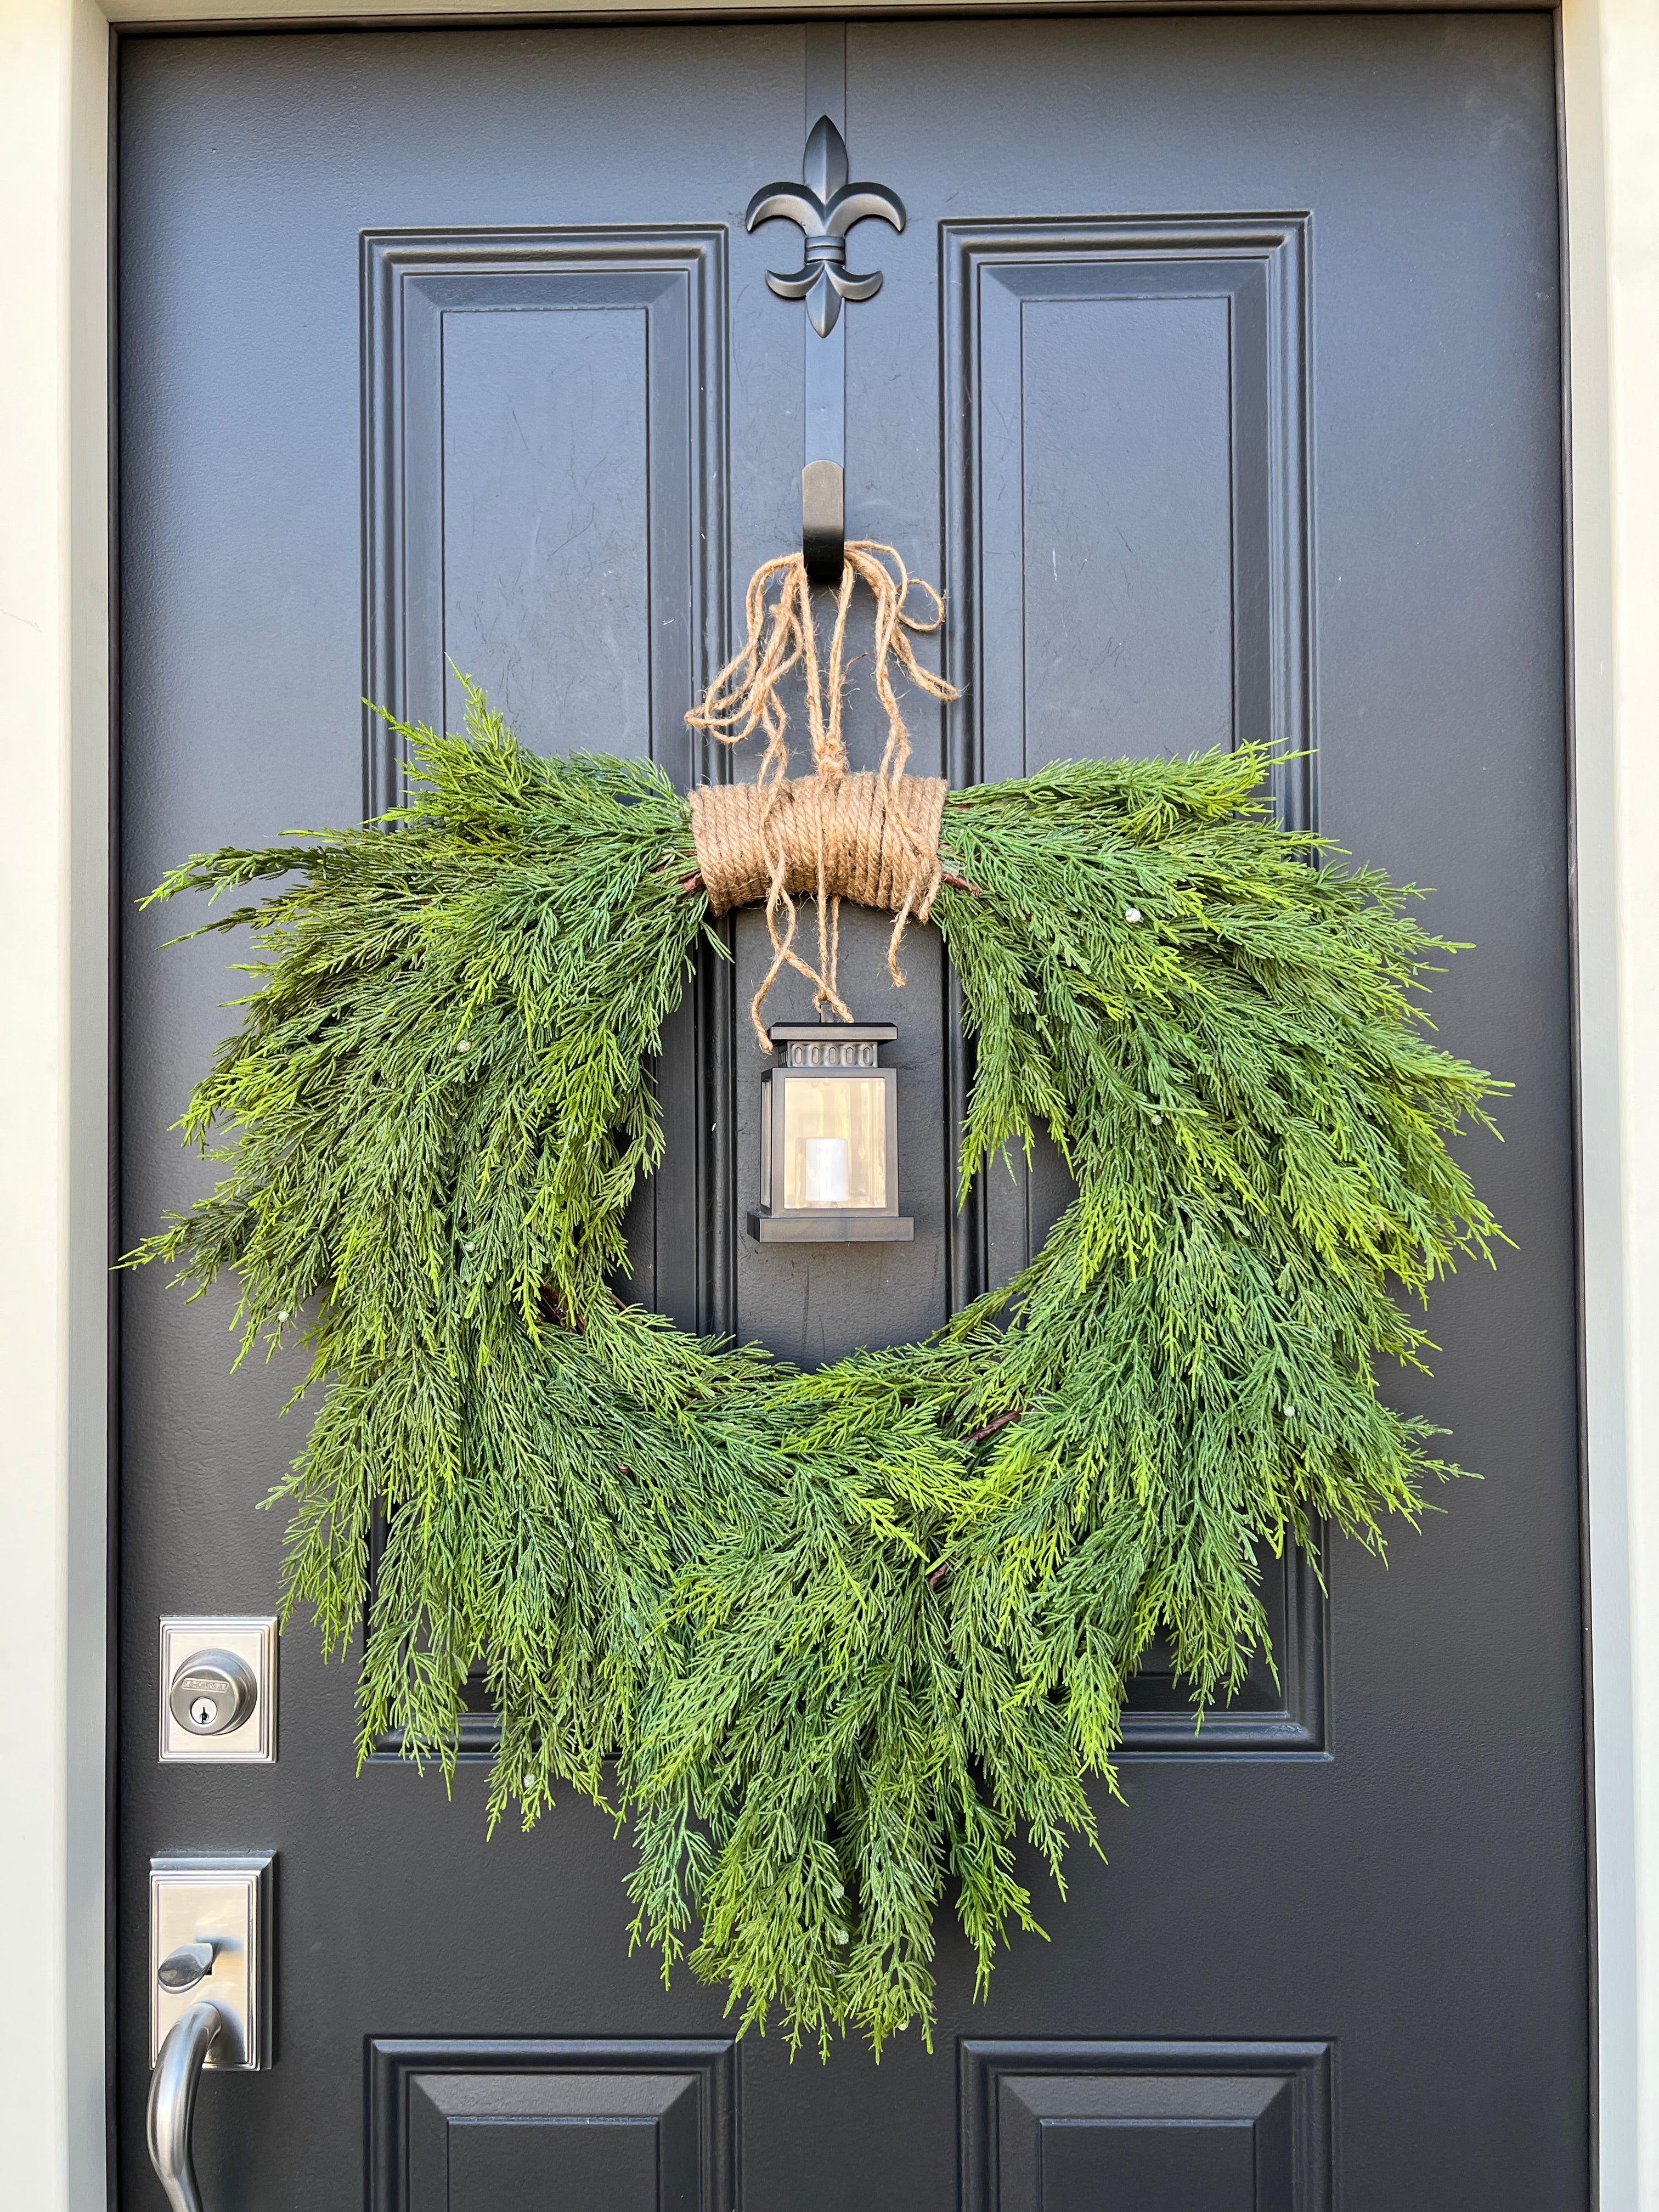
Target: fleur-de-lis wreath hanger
{"points": [[826, 207]]}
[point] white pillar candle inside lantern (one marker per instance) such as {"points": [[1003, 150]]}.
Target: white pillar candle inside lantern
{"points": [[826, 1180], [834, 1142], [829, 1139]]}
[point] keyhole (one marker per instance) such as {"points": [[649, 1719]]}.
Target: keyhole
{"points": [[204, 1712]]}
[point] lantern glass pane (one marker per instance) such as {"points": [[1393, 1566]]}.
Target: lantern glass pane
{"points": [[834, 1141]]}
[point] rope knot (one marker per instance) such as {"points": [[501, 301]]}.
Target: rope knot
{"points": [[873, 839]]}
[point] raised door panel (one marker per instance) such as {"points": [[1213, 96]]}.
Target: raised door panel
{"points": [[544, 512], [500, 2126], [1146, 2127], [543, 433], [1127, 494], [1128, 519], [1278, 1711], [1128, 523]]}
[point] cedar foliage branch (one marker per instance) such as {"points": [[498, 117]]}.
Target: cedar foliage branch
{"points": [[852, 1637]]}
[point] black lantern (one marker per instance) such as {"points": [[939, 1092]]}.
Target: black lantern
{"points": [[829, 1139]]}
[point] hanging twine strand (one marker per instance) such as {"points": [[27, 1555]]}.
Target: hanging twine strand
{"points": [[873, 839]]}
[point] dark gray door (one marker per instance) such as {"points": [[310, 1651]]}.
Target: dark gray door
{"points": [[1216, 377]]}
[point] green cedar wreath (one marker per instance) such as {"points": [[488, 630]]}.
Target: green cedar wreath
{"points": [[848, 1636]]}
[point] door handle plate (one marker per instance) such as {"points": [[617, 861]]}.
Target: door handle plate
{"points": [[228, 1903]]}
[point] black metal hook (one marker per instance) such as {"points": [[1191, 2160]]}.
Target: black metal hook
{"points": [[826, 206]]}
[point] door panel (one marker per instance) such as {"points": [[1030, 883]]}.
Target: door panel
{"points": [[544, 419], [544, 460], [1148, 2127], [479, 2126], [1143, 589], [1146, 584], [1216, 375]]}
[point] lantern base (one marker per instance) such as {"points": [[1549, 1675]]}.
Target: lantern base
{"points": [[832, 1229]]}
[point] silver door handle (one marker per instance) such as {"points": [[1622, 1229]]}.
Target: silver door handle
{"points": [[173, 2103], [209, 1995]]}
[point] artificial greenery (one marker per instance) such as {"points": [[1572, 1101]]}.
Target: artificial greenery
{"points": [[847, 1636]]}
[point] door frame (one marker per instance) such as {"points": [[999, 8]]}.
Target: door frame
{"points": [[57, 697]]}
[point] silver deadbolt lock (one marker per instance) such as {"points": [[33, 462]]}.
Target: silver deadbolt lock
{"points": [[218, 1686], [212, 1693]]}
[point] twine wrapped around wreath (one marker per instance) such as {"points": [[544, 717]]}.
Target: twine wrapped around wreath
{"points": [[873, 839]]}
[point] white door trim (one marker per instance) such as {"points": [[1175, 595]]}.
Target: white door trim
{"points": [[54, 1029], [1610, 89]]}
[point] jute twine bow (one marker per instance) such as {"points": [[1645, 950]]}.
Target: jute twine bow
{"points": [[873, 839]]}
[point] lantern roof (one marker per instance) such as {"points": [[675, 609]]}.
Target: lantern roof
{"points": [[832, 1033]]}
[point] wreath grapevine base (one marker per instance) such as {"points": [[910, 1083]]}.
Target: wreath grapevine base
{"points": [[847, 1635]]}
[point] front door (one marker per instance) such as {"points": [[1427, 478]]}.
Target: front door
{"points": [[1216, 378]]}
